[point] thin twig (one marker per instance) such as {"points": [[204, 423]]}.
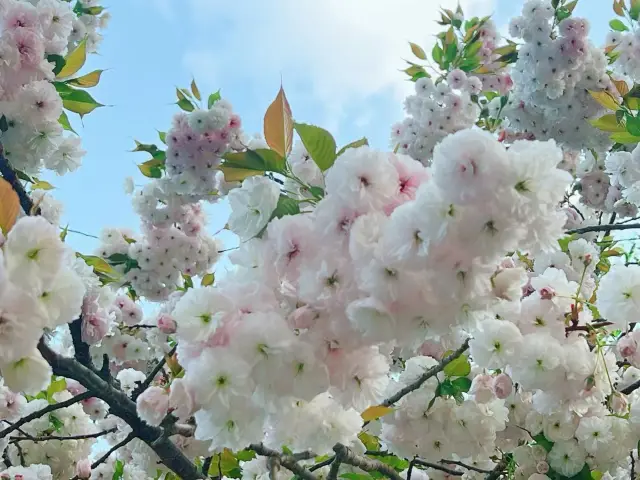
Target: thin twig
{"points": [[345, 455], [611, 220], [633, 466], [499, 468], [605, 228], [630, 388], [442, 468], [206, 465], [44, 411], [286, 461], [587, 328], [56, 437], [147, 381], [464, 465], [322, 464], [427, 375], [106, 456]]}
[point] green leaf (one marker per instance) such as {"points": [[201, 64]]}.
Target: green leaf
{"points": [[151, 168], [624, 137], [194, 90], [64, 233], [565, 241], [617, 25], [317, 192], [437, 53], [460, 367], [571, 6], [58, 61], [118, 470], [54, 387], [42, 185], [74, 61], [461, 384], [394, 462], [80, 102], [319, 143], [634, 11], [208, 279], [55, 422], [286, 206], [355, 476], [99, 264], [163, 137], [93, 10], [370, 441], [145, 147], [188, 281], [261, 159], [64, 121], [245, 455], [450, 52], [562, 13], [186, 105], [633, 125], [355, 144], [213, 98], [540, 439], [87, 81]]}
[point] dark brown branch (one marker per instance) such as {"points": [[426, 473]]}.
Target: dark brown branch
{"points": [[345, 455], [147, 381], [10, 176], [122, 406], [499, 469], [48, 409], [55, 437], [464, 465], [436, 466], [427, 375], [286, 461], [81, 348], [587, 328], [605, 228], [630, 388], [322, 464]]}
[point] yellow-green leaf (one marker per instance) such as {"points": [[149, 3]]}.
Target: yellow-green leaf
{"points": [[194, 90], [356, 144], [99, 264], [151, 168], [234, 174], [208, 279], [605, 99], [621, 86], [375, 412], [42, 185], [319, 143], [9, 206], [66, 124], [418, 51], [607, 123], [450, 37], [278, 125], [86, 81], [618, 7], [505, 50], [74, 60], [80, 102], [624, 137]]}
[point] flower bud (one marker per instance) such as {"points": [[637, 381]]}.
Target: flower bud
{"points": [[167, 324], [542, 467], [502, 386], [619, 403], [83, 468], [627, 346], [481, 388]]}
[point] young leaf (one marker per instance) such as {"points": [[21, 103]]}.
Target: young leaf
{"points": [[64, 121], [151, 168], [356, 144], [607, 123], [186, 105], [605, 99], [80, 102], [208, 279], [194, 90], [617, 25], [236, 174], [460, 367], [58, 61], [624, 137], [74, 60], [437, 53], [213, 98], [319, 143], [618, 7], [285, 206], [278, 125], [9, 206], [461, 384], [375, 412], [634, 11], [99, 264], [42, 185], [418, 51], [87, 81], [162, 136], [633, 125]]}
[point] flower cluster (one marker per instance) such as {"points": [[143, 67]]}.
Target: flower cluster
{"points": [[33, 36], [39, 289], [552, 77]]}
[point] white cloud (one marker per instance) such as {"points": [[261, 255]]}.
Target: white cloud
{"points": [[342, 51]]}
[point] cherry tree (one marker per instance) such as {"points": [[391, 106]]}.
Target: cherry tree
{"points": [[464, 305]]}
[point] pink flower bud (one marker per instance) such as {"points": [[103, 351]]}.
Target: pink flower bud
{"points": [[502, 386], [542, 467], [547, 293], [83, 468], [431, 349], [619, 403], [167, 324], [74, 387], [627, 346], [481, 388]]}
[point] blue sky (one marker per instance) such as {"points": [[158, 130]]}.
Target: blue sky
{"points": [[338, 60]]}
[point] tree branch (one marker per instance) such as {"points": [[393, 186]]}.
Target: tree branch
{"points": [[345, 455], [104, 457], [55, 437], [10, 176], [436, 466], [427, 375], [587, 328], [286, 461], [499, 468], [605, 228], [48, 409], [630, 388], [464, 465], [122, 406], [81, 348], [147, 381], [322, 464]]}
